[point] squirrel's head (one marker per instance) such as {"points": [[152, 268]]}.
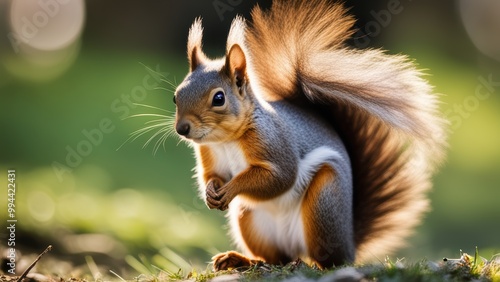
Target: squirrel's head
{"points": [[214, 102]]}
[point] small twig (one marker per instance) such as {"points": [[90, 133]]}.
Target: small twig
{"points": [[25, 273]]}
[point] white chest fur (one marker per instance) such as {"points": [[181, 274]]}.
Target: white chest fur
{"points": [[230, 159]]}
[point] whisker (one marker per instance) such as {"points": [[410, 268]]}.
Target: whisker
{"points": [[179, 142], [164, 78], [171, 84], [138, 133], [160, 125], [134, 135], [160, 131], [163, 88], [153, 107], [144, 130], [165, 137], [161, 141], [162, 120], [147, 115], [170, 132], [152, 70]]}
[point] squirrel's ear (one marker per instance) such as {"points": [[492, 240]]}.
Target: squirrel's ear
{"points": [[194, 52], [196, 57], [236, 65]]}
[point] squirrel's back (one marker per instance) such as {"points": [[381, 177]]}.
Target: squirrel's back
{"points": [[307, 129], [382, 108]]}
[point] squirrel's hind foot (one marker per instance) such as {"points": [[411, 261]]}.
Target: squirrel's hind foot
{"points": [[231, 260]]}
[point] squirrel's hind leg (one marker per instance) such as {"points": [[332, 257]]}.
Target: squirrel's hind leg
{"points": [[252, 239], [327, 217], [255, 242]]}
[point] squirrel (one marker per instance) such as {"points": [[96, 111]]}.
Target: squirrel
{"points": [[318, 150]]}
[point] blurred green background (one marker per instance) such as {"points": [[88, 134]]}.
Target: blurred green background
{"points": [[68, 84]]}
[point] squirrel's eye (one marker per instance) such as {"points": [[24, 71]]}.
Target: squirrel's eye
{"points": [[218, 99], [174, 100]]}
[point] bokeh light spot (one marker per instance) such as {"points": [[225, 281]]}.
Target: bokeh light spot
{"points": [[41, 206]]}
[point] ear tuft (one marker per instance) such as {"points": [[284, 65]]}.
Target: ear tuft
{"points": [[236, 65], [194, 51], [236, 33]]}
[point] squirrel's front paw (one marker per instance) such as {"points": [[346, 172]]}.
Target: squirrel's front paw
{"points": [[215, 195]]}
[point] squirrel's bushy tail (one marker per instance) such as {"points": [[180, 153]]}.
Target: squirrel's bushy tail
{"points": [[384, 111]]}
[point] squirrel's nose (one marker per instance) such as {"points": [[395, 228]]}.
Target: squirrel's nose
{"points": [[183, 128]]}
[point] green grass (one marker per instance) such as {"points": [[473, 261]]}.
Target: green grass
{"points": [[465, 268]]}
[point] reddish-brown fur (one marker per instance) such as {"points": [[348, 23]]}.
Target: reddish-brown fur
{"points": [[208, 163], [323, 179]]}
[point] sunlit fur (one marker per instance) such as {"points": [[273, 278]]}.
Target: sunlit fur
{"points": [[373, 184], [380, 104]]}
